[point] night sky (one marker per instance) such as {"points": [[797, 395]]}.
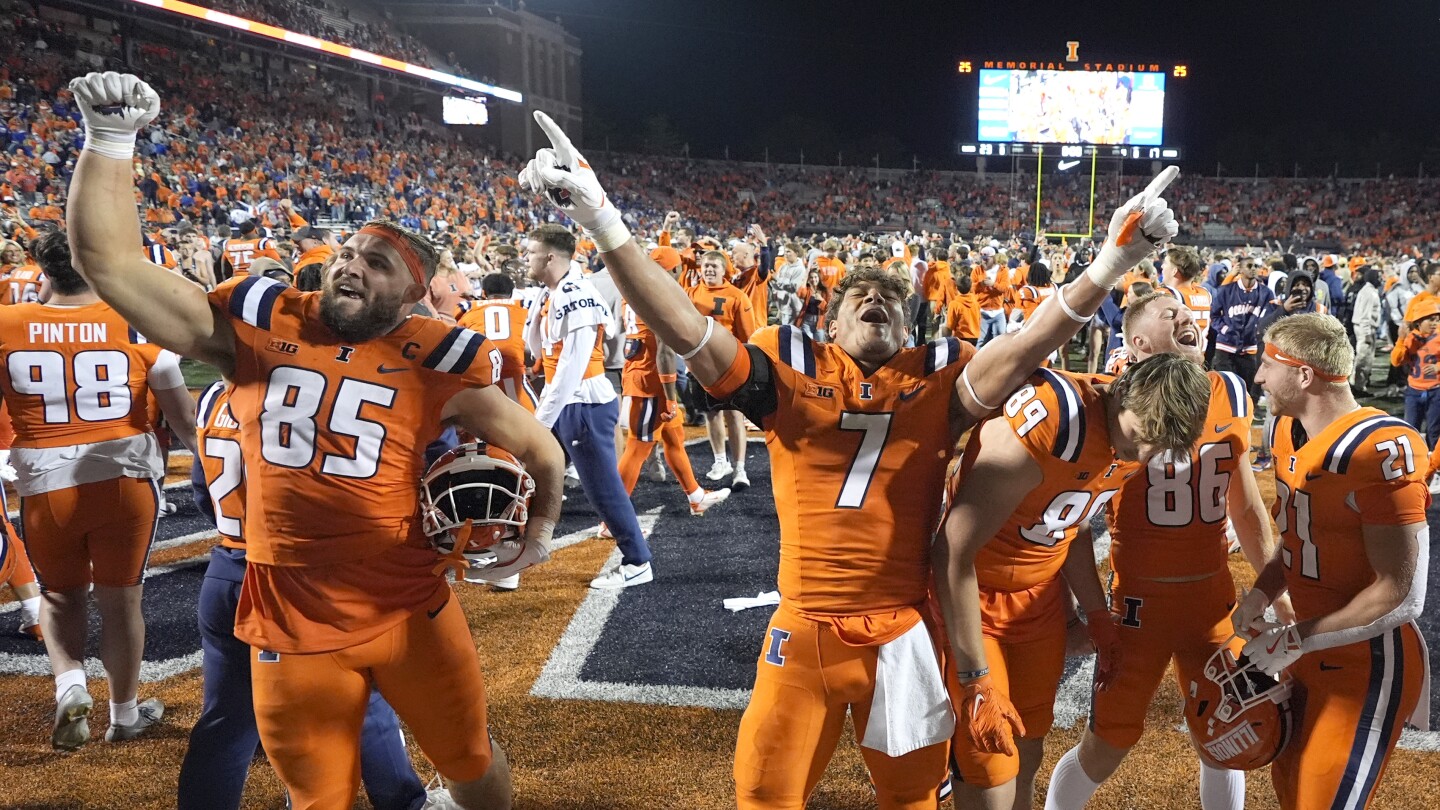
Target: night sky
{"points": [[1270, 81]]}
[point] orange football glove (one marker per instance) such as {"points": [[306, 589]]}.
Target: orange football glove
{"points": [[988, 716], [1105, 636]]}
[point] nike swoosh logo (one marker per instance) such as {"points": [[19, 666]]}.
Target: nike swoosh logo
{"points": [[1221, 428], [383, 369], [632, 576], [906, 396], [1271, 648], [436, 612], [1324, 667]]}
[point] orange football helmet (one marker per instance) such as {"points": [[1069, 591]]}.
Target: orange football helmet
{"points": [[475, 496], [1238, 716]]}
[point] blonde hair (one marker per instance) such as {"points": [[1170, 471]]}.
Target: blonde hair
{"points": [[1316, 340], [1170, 395]]}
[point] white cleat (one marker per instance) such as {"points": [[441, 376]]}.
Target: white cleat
{"points": [[150, 713], [1435, 484], [510, 583], [707, 500], [72, 719], [719, 470], [624, 576]]}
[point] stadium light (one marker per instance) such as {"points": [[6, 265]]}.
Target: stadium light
{"points": [[332, 48]]}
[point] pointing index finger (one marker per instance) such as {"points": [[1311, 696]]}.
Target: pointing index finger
{"points": [[558, 139], [1163, 179]]}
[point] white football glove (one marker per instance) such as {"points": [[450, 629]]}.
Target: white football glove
{"points": [[513, 556], [561, 173], [1248, 619], [1136, 229], [115, 107], [1277, 647]]}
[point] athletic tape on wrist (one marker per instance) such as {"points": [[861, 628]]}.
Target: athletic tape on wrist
{"points": [[610, 237], [119, 150], [709, 330]]}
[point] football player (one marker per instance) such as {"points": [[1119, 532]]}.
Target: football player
{"points": [[860, 432], [1027, 485], [343, 389], [729, 308], [77, 382], [1172, 592], [1350, 502], [501, 318], [224, 739]]}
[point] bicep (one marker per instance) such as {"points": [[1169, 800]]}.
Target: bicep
{"points": [[1394, 551], [1002, 474]]}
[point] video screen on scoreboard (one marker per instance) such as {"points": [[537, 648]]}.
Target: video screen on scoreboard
{"points": [[457, 110], [1072, 106]]}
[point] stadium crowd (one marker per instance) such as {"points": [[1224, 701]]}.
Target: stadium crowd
{"points": [[319, 19]]}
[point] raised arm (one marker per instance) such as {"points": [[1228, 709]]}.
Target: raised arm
{"points": [[563, 175], [105, 228], [1136, 229]]}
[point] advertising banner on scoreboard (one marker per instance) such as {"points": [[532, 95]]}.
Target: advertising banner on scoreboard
{"points": [[1072, 107]]}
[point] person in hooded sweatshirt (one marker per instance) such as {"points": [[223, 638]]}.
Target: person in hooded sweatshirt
{"points": [[1365, 318]]}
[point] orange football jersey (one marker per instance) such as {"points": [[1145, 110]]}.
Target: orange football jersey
{"points": [[22, 285], [1366, 467], [728, 305], [332, 525], [243, 252], [218, 436], [1169, 518], [1197, 299], [74, 375], [1060, 419], [641, 377], [858, 468]]}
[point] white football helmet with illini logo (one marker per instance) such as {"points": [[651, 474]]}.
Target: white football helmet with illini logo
{"points": [[1238, 716], [476, 497]]}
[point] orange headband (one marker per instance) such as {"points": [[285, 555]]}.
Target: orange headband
{"points": [[402, 246], [1284, 359]]}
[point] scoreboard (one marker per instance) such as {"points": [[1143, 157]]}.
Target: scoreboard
{"points": [[1069, 108]]}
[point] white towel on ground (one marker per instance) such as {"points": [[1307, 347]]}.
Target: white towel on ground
{"points": [[911, 708], [739, 603]]}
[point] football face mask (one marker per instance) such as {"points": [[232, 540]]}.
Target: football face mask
{"points": [[1239, 717], [474, 498]]}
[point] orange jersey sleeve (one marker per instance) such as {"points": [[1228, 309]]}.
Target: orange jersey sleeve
{"points": [[74, 375], [1366, 467], [217, 435], [1060, 420], [1169, 518], [858, 465]]}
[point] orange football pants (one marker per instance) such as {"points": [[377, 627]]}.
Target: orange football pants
{"points": [[309, 708], [15, 567], [98, 532], [805, 681], [1350, 706], [645, 426], [1024, 635], [1160, 621]]}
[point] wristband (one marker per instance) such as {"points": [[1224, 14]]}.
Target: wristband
{"points": [[668, 378], [709, 330], [972, 674], [610, 237], [1065, 307], [121, 149], [965, 378]]}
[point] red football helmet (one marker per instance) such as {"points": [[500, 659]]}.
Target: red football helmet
{"points": [[476, 495], [1239, 717]]}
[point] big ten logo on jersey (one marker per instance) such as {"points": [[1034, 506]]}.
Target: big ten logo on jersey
{"points": [[281, 346], [819, 391], [1024, 401]]}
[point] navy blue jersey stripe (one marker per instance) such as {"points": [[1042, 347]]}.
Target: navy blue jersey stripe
{"points": [[444, 348], [467, 356], [267, 305], [785, 332], [1337, 459], [238, 295]]}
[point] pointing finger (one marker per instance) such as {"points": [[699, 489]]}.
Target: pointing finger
{"points": [[1161, 181], [563, 147]]}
